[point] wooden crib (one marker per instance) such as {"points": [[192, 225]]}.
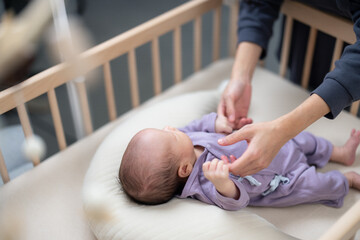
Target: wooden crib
{"points": [[47, 198]]}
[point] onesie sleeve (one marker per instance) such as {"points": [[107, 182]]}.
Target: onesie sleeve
{"points": [[341, 86], [204, 124], [256, 19], [224, 202]]}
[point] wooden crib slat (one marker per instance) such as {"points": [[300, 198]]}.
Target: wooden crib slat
{"points": [[234, 12], [337, 52], [25, 123], [177, 55], [3, 170], [109, 90], [59, 130], [286, 46], [156, 67], [355, 108], [81, 88], [134, 87], [216, 33], [308, 58], [197, 43]]}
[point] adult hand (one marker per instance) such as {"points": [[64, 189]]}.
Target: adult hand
{"points": [[234, 103], [264, 141]]}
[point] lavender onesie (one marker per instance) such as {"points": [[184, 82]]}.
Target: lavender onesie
{"points": [[290, 179]]}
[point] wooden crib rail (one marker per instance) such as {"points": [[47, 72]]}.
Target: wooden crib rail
{"points": [[339, 28]]}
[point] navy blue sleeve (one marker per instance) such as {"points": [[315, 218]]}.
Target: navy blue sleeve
{"points": [[256, 19], [342, 85]]}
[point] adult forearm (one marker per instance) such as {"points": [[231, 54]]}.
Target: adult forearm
{"points": [[301, 117], [247, 56]]}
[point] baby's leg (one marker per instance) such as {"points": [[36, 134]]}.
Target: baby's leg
{"points": [[346, 153], [354, 179]]}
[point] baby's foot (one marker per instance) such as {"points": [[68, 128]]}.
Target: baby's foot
{"points": [[353, 179], [350, 147], [346, 154]]}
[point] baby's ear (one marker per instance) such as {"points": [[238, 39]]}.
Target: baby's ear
{"points": [[184, 169]]}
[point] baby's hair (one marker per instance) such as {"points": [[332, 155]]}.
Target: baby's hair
{"points": [[149, 184]]}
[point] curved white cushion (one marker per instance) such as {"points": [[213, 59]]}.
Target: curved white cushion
{"points": [[178, 219]]}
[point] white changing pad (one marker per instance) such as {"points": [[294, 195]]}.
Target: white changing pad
{"points": [[190, 219]]}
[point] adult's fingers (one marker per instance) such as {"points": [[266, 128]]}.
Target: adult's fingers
{"points": [[230, 109], [225, 159], [221, 108], [244, 166], [243, 121], [241, 134]]}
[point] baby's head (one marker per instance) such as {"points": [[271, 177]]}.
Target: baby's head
{"points": [[156, 164]]}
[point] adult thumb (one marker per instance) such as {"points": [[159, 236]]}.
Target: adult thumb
{"points": [[230, 109]]}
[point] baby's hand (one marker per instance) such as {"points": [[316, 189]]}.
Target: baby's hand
{"points": [[222, 125], [216, 172], [242, 122]]}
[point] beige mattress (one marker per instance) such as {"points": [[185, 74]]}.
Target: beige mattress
{"points": [[46, 202]]}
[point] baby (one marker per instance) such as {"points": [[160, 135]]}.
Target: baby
{"points": [[160, 164]]}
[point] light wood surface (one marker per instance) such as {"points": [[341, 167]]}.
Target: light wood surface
{"points": [[55, 113], [134, 86], [85, 108], [197, 43], [156, 66], [109, 90], [177, 55], [216, 33], [309, 58]]}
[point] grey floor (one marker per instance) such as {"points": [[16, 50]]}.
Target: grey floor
{"points": [[104, 20]]}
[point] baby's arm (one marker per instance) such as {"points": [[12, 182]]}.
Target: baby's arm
{"points": [[217, 172], [204, 124], [212, 123]]}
